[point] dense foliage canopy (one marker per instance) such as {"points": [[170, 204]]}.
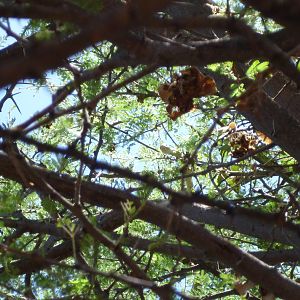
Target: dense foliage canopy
{"points": [[149, 149]]}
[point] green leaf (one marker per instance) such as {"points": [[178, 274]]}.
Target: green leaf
{"points": [[49, 206], [257, 67]]}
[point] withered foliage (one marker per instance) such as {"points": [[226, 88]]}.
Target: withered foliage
{"points": [[184, 87], [241, 143], [263, 138]]}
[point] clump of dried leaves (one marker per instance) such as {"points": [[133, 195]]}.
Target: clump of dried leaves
{"points": [[184, 87]]}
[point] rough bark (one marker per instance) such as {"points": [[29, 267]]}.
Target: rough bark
{"points": [[214, 247]]}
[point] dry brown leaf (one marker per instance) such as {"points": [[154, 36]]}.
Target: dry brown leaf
{"points": [[164, 92], [243, 288], [184, 87], [266, 140]]}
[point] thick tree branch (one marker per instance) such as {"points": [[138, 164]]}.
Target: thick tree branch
{"points": [[267, 115], [110, 221], [41, 58], [250, 222], [285, 12], [169, 220], [65, 12], [264, 225]]}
